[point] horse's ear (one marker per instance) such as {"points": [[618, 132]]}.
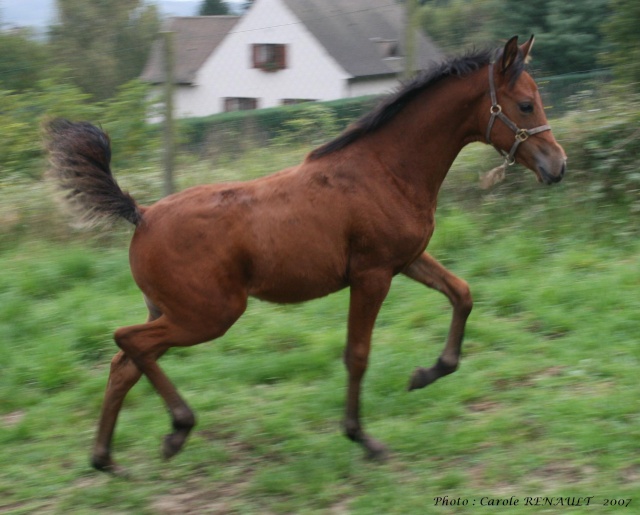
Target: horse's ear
{"points": [[510, 54], [525, 48]]}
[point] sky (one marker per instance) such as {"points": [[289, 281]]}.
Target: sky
{"points": [[39, 13]]}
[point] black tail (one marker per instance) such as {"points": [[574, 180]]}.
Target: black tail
{"points": [[79, 156]]}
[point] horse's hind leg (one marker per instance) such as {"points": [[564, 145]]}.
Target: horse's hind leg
{"points": [[145, 343], [124, 374], [429, 272]]}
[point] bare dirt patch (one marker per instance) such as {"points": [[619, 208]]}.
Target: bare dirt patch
{"points": [[12, 419]]}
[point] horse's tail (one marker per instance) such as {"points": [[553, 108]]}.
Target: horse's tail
{"points": [[79, 156]]}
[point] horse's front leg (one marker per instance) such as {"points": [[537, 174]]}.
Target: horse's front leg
{"points": [[428, 271], [368, 291]]}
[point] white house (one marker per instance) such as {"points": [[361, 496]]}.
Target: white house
{"points": [[287, 51]]}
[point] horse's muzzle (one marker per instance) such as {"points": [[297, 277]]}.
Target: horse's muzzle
{"points": [[548, 177]]}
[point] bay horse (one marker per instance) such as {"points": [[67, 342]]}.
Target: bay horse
{"points": [[356, 212]]}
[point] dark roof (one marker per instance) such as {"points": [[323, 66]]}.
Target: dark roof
{"points": [[195, 38], [359, 34]]}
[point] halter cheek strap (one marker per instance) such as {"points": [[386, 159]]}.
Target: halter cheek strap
{"points": [[521, 135]]}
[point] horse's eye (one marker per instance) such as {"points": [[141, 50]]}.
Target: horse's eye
{"points": [[526, 107]]}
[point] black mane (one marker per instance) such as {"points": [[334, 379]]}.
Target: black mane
{"points": [[395, 102]]}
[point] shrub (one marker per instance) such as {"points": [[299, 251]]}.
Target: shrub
{"points": [[313, 124], [603, 144], [23, 113]]}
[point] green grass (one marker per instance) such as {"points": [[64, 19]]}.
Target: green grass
{"points": [[545, 402]]}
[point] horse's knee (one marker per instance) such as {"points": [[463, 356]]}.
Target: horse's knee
{"points": [[356, 358]]}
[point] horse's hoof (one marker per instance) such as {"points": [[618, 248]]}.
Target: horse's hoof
{"points": [[376, 451], [378, 456], [421, 377], [110, 467], [172, 445]]}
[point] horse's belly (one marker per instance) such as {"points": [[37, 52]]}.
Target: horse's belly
{"points": [[297, 273], [296, 292]]}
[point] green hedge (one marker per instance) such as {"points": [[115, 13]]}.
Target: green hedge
{"points": [[271, 122]]}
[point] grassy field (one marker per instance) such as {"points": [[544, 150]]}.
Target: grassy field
{"points": [[543, 408]]}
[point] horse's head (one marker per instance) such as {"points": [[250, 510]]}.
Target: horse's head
{"points": [[517, 125]]}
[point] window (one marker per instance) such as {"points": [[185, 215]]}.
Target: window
{"points": [[388, 48], [269, 57], [240, 103]]}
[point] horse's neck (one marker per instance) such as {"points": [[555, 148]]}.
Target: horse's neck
{"points": [[420, 144]]}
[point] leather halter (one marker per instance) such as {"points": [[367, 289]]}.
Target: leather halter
{"points": [[496, 112]]}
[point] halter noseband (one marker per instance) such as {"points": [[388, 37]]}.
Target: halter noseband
{"points": [[496, 112]]}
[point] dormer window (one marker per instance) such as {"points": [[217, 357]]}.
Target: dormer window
{"points": [[388, 48], [269, 57]]}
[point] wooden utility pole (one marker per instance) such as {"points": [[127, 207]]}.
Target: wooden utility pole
{"points": [[169, 136], [411, 11]]}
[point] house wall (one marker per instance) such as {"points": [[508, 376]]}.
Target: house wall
{"points": [[310, 74]]}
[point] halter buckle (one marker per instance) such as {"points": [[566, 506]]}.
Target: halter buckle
{"points": [[522, 135]]}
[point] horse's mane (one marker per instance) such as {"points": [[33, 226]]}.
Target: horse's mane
{"points": [[395, 102]]}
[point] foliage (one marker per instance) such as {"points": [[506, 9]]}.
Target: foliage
{"points": [[458, 24], [103, 44], [621, 30], [23, 113], [20, 123], [133, 141], [568, 38], [313, 124], [606, 143], [213, 8], [23, 61], [567, 34]]}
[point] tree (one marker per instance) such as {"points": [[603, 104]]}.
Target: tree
{"points": [[458, 24], [568, 37], [23, 61], [621, 31], [213, 8], [104, 44]]}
